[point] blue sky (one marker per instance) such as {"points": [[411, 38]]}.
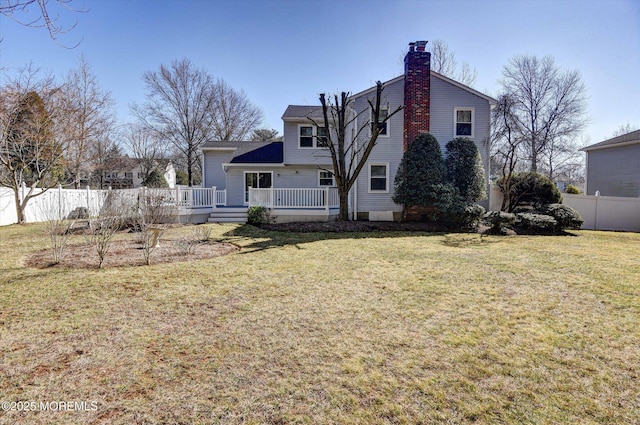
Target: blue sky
{"points": [[287, 52]]}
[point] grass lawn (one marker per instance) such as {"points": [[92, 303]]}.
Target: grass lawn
{"points": [[366, 328]]}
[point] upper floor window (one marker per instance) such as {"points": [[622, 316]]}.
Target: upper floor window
{"points": [[311, 136], [111, 175], [463, 122], [382, 124]]}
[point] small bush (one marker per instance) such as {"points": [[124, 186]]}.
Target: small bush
{"points": [[565, 216], [498, 220], [79, 213], [535, 223], [572, 189], [257, 215], [529, 189]]}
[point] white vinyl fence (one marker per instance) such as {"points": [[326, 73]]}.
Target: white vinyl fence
{"points": [[63, 201], [598, 212]]}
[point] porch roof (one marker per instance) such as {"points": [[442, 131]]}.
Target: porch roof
{"points": [[269, 154]]}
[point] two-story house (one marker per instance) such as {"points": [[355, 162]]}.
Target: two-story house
{"points": [[294, 177], [127, 173]]}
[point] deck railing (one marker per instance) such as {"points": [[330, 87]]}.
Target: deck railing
{"points": [[294, 197]]}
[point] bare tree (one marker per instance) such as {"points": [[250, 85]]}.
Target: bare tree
{"points": [[145, 145], [179, 102], [21, 11], [89, 118], [624, 129], [443, 61], [505, 142], [549, 105], [31, 151], [105, 154], [349, 154], [234, 116]]}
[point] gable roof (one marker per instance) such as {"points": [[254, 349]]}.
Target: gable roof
{"points": [[302, 111], [475, 92], [271, 153], [625, 139]]}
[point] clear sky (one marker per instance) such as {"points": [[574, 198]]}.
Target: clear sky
{"points": [[286, 52]]}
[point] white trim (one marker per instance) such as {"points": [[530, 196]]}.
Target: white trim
{"points": [[613, 145], [220, 149], [244, 183], [314, 135], [386, 165], [240, 164], [455, 121]]}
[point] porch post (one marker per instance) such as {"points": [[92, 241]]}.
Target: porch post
{"points": [[215, 198], [326, 198], [271, 197]]}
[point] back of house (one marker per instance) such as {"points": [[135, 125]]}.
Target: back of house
{"points": [[295, 177]]}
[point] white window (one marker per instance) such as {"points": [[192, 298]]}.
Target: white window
{"points": [[111, 175], [325, 178], [128, 175], [384, 126], [379, 177], [311, 136], [463, 122]]}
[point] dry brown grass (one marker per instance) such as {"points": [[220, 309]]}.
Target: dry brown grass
{"points": [[331, 328]]}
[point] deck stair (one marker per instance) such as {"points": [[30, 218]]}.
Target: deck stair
{"points": [[228, 215]]}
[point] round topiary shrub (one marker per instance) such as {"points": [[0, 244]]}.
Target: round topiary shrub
{"points": [[565, 216], [535, 223], [529, 188], [498, 220]]}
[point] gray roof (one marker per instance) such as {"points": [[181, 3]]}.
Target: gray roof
{"points": [[625, 139], [302, 111]]}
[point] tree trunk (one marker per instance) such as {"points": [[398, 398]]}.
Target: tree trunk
{"points": [[344, 205], [20, 207]]}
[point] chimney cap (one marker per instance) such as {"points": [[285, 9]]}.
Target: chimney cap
{"points": [[421, 45]]}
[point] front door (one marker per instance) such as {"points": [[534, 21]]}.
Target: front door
{"points": [[256, 180]]}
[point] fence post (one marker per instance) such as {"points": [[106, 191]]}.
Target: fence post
{"points": [[88, 200], [59, 217], [178, 200]]}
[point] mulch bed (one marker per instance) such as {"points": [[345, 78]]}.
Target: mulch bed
{"points": [[129, 253], [356, 226]]}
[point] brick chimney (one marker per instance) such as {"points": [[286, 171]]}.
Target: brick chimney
{"points": [[417, 91]]}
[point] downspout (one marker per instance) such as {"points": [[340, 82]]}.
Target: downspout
{"points": [[354, 189]]}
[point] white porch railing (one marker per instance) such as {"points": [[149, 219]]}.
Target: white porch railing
{"points": [[294, 197]]}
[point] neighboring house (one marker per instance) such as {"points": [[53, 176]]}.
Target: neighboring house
{"points": [[613, 166], [126, 173], [433, 103]]}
